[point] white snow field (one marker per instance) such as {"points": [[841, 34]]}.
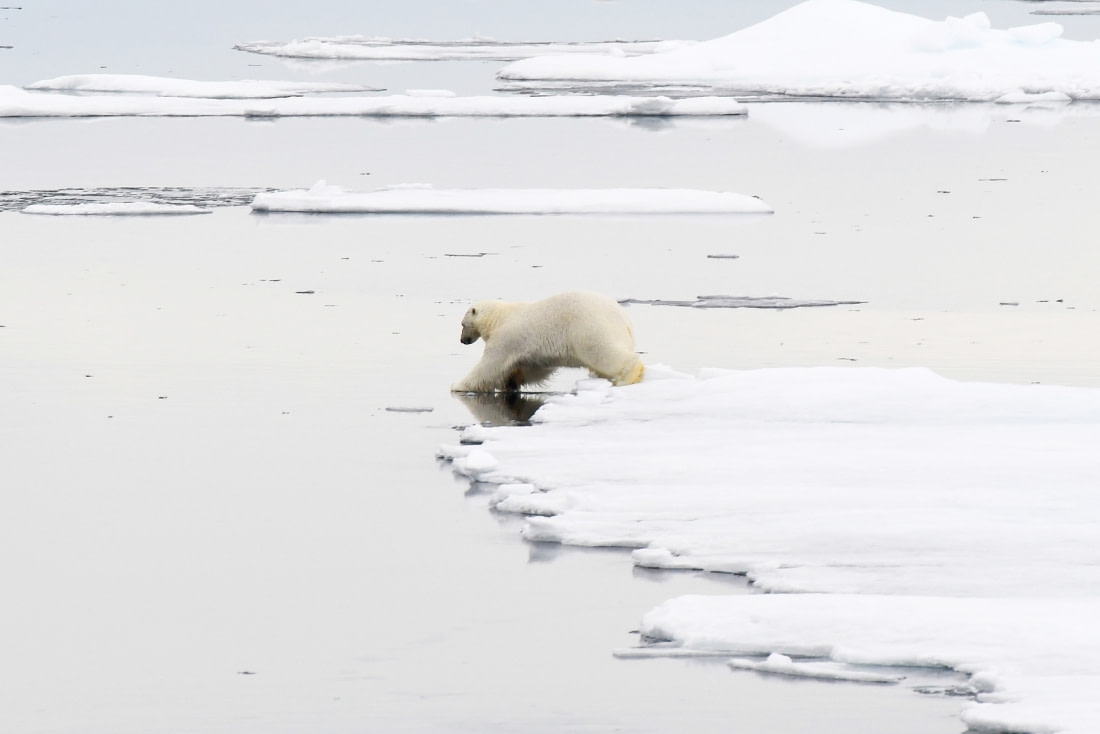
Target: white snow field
{"points": [[119, 208], [902, 519], [471, 49], [322, 198], [169, 87], [133, 99], [853, 50]]}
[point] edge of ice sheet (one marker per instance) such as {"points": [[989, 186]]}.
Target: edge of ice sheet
{"points": [[325, 199], [1031, 662], [889, 505], [171, 87], [17, 102], [486, 49], [121, 208], [854, 50]]}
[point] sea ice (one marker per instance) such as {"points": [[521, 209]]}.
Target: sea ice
{"points": [[169, 87], [17, 102], [912, 520], [120, 208], [420, 199], [853, 50], [484, 49]]}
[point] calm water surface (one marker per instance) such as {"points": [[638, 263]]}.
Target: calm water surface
{"points": [[213, 523]]}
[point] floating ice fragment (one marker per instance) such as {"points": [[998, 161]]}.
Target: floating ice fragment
{"points": [[779, 664], [777, 302], [121, 208], [390, 49], [423, 199]]}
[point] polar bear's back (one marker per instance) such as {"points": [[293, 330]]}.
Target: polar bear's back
{"points": [[584, 316]]}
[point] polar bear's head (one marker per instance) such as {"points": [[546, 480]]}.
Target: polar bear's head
{"points": [[484, 318], [471, 323]]}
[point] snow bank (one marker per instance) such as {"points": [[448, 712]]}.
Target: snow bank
{"points": [[483, 49], [915, 520], [16, 102], [120, 208], [849, 49], [168, 87], [419, 199]]}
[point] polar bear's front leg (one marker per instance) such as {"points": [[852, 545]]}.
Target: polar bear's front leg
{"points": [[489, 375]]}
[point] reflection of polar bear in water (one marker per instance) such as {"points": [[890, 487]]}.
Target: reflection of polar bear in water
{"points": [[526, 342]]}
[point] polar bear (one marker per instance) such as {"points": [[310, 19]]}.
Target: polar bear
{"points": [[526, 342]]}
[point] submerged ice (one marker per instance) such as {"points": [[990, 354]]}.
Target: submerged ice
{"points": [[912, 520]]}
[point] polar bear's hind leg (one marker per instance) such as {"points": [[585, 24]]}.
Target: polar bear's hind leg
{"points": [[632, 374]]}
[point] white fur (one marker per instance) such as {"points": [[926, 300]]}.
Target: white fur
{"points": [[526, 342]]}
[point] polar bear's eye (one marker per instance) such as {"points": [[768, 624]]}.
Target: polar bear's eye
{"points": [[473, 312]]}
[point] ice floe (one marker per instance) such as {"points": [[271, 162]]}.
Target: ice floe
{"points": [[483, 49], [169, 87], [118, 208], [777, 302], [912, 520], [853, 50], [420, 199], [18, 102]]}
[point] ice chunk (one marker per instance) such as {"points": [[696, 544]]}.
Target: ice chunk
{"points": [[323, 199]]}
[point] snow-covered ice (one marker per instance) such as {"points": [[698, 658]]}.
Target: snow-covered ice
{"points": [[120, 208], [322, 198], [912, 520], [125, 101], [854, 50], [170, 87], [482, 49]]}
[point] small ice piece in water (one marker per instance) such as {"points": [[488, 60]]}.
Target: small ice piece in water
{"points": [[779, 664]]}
